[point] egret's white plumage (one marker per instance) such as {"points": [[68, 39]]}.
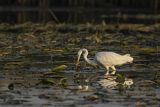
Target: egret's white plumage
{"points": [[106, 59]]}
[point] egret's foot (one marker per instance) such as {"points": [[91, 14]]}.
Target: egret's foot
{"points": [[86, 87], [113, 72], [80, 87], [107, 74]]}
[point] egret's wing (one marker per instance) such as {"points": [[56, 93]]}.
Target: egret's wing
{"points": [[109, 58]]}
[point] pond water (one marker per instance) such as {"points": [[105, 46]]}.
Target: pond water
{"points": [[29, 51]]}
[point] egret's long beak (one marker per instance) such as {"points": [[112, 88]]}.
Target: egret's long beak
{"points": [[78, 58], [77, 62]]}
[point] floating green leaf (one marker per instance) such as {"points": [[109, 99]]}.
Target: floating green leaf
{"points": [[63, 82], [58, 68], [48, 82]]}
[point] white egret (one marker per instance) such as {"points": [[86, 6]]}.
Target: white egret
{"points": [[105, 59]]}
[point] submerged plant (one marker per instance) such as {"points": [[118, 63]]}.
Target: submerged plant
{"points": [[120, 79]]}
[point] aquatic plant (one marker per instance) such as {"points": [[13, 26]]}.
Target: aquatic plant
{"points": [[54, 78], [120, 79]]}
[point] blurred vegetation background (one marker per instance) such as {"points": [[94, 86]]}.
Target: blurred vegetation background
{"points": [[80, 11]]}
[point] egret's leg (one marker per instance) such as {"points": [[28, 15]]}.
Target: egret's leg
{"points": [[114, 70], [107, 73]]}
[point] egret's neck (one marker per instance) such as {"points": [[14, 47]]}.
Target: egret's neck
{"points": [[91, 62]]}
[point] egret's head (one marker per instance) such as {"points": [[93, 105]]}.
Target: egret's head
{"points": [[129, 59], [80, 52]]}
